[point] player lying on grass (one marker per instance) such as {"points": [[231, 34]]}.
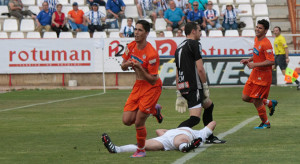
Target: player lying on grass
{"points": [[183, 139]]}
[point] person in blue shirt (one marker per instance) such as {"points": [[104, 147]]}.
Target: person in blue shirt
{"points": [[197, 16], [43, 20], [201, 6], [115, 9], [174, 17]]}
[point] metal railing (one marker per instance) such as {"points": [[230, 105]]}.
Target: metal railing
{"points": [[294, 17]]}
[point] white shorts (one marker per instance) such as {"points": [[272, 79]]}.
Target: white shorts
{"points": [[167, 140]]}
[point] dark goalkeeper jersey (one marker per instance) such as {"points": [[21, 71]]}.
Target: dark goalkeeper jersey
{"points": [[186, 55]]}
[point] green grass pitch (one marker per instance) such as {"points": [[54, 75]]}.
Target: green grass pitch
{"points": [[69, 131]]}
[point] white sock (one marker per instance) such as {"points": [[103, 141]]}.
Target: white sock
{"points": [[126, 148], [182, 145]]}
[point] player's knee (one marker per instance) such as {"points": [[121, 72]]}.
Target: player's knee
{"points": [[127, 122], [246, 98]]}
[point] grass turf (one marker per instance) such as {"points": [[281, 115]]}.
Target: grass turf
{"points": [[69, 131]]}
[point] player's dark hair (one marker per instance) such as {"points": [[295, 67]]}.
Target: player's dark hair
{"points": [[278, 28], [145, 24], [189, 27], [265, 23]]}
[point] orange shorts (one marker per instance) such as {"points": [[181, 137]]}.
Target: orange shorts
{"points": [[256, 91], [144, 97]]}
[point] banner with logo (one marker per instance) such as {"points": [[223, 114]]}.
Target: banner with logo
{"points": [[50, 55]]}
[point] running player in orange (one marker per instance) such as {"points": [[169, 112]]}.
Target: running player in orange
{"points": [[143, 58], [257, 87]]}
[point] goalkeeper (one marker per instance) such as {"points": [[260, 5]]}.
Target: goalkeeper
{"points": [[191, 81]]}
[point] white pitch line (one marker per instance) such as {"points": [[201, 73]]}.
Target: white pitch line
{"points": [[50, 102], [220, 136]]}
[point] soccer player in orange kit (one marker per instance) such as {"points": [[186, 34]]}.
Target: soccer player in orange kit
{"points": [[257, 87], [143, 58]]}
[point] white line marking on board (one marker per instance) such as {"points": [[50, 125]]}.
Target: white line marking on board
{"points": [[50, 102], [220, 136]]}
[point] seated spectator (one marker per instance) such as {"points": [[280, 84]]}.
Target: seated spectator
{"points": [[115, 9], [197, 16], [212, 17], [59, 20], [76, 20], [179, 33], [43, 20], [52, 4], [94, 18], [186, 9], [100, 2], [128, 30], [201, 6], [161, 6], [15, 8], [146, 8], [161, 34], [230, 15], [174, 17]]}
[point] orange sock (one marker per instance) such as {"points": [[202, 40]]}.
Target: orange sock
{"points": [[141, 134], [267, 102], [262, 113]]}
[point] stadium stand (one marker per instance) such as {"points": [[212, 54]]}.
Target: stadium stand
{"points": [[102, 9], [231, 33], [131, 11], [83, 35], [269, 33], [65, 35], [225, 1], [34, 9], [3, 9], [160, 24], [259, 1], [215, 33], [17, 35], [33, 35], [66, 9], [152, 34], [129, 2], [203, 33], [27, 25], [260, 10], [3, 35], [64, 2], [80, 2], [248, 33], [246, 7], [168, 34], [216, 7], [242, 1], [114, 35], [248, 21], [28, 2]]}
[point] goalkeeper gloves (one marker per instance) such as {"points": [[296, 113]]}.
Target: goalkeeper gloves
{"points": [[181, 103]]}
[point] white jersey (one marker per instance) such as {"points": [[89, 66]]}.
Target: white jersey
{"points": [[167, 139]]}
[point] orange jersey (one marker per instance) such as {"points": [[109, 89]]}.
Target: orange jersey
{"points": [[262, 51], [148, 57]]}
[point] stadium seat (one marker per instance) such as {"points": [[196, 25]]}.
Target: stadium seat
{"points": [[124, 22], [203, 33], [16, 35], [248, 33], [34, 9], [10, 25], [99, 35], [102, 9], [261, 10], [49, 35], [168, 34], [3, 9], [242, 1], [128, 2], [160, 24], [246, 7], [114, 35], [112, 29], [83, 35], [28, 2], [33, 35], [0, 27], [260, 18], [66, 9], [231, 33], [84, 8], [64, 2], [216, 7], [152, 34], [259, 1], [214, 1], [248, 21], [269, 33], [80, 2], [131, 11], [225, 1], [215, 33], [3, 35], [27, 25], [65, 35], [148, 20]]}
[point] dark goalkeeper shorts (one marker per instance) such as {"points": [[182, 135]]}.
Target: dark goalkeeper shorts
{"points": [[194, 98], [280, 61]]}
